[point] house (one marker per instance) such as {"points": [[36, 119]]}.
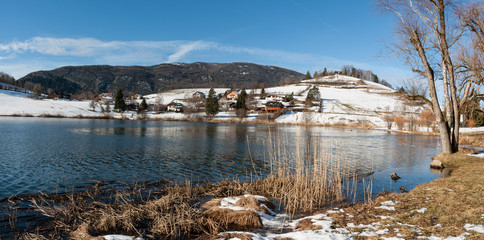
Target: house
{"points": [[55, 95], [232, 96], [273, 98], [272, 107], [137, 96], [199, 95], [174, 107], [106, 97]]}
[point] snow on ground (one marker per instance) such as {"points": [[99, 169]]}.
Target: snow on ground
{"points": [[471, 130], [178, 95], [329, 118], [15, 103], [345, 100], [324, 229], [297, 89], [478, 154]]}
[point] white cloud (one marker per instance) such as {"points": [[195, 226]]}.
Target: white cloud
{"points": [[184, 49]]}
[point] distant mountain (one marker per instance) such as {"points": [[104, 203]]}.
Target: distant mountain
{"points": [[150, 79]]}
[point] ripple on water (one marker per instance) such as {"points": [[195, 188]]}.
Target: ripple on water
{"points": [[45, 154]]}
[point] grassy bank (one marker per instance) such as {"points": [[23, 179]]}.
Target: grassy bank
{"points": [[439, 208]]}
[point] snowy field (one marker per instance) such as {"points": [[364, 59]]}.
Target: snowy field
{"points": [[345, 100], [15, 103]]}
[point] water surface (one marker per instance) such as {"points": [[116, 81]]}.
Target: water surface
{"points": [[54, 155]]}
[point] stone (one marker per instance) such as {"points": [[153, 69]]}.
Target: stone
{"points": [[436, 164]]}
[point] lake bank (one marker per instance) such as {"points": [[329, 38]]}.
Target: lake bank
{"points": [[443, 208], [233, 120]]}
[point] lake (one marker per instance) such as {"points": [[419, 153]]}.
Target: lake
{"points": [[57, 155]]}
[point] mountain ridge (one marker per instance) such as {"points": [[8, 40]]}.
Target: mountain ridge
{"points": [[161, 77]]}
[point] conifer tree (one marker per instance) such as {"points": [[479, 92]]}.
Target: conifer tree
{"points": [[241, 100], [212, 106], [143, 105], [308, 75], [119, 104], [314, 94]]}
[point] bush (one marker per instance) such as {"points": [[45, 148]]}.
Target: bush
{"points": [[400, 121]]}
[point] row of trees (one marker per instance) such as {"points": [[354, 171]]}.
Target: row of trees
{"points": [[443, 42], [426, 119], [349, 70]]}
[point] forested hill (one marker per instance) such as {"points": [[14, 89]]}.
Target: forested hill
{"points": [[149, 79]]}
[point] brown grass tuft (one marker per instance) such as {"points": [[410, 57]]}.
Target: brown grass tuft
{"points": [[82, 233], [307, 224], [228, 236], [245, 220], [251, 202]]}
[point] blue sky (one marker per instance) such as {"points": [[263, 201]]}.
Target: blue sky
{"points": [[297, 34]]}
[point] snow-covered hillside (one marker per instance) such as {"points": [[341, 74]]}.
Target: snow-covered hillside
{"points": [[15, 103], [345, 100]]}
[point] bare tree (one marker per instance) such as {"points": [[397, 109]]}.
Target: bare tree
{"points": [[415, 87], [426, 36], [388, 118], [471, 58], [427, 117], [37, 89]]}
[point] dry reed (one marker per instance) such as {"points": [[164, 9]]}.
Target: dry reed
{"points": [[302, 179]]}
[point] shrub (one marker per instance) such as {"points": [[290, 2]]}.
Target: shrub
{"points": [[400, 121]]}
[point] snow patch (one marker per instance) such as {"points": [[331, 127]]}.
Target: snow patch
{"points": [[120, 237], [476, 228]]}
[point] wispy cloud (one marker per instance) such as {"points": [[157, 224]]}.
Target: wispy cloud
{"points": [[40, 53]]}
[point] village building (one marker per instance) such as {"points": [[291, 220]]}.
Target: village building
{"points": [[232, 96], [57, 95], [272, 107], [137, 96], [106, 97], [273, 98], [199, 95], [174, 107]]}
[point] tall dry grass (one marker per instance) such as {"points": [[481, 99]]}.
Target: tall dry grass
{"points": [[302, 178], [305, 179]]}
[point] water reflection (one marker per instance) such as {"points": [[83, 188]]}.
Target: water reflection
{"points": [[48, 154]]}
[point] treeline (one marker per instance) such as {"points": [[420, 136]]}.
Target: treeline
{"points": [[349, 70], [8, 79], [362, 74]]}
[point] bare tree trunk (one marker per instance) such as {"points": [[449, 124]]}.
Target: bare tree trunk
{"points": [[429, 72]]}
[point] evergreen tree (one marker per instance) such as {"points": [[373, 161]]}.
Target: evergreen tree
{"points": [[308, 75], [241, 100], [119, 103], [314, 94], [143, 105], [262, 93], [375, 79], [325, 72], [212, 106], [316, 74]]}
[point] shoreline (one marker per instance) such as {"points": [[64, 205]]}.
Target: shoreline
{"points": [[235, 121]]}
